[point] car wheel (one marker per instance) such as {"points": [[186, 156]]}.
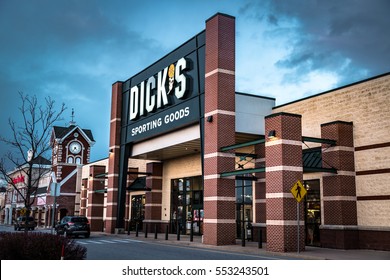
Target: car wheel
{"points": [[15, 228]]}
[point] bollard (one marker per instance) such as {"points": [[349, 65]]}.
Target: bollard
{"points": [[146, 231], [178, 233], [243, 236], [136, 229], [155, 231], [166, 233], [192, 233], [128, 229], [260, 239]]}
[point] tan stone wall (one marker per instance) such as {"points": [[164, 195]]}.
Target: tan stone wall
{"points": [[188, 166], [367, 105]]}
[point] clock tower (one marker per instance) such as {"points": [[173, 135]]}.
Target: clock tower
{"points": [[71, 148]]}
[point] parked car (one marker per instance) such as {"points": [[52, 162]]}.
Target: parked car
{"points": [[22, 223], [73, 226]]}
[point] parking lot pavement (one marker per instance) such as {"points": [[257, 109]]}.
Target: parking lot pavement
{"points": [[252, 248]]}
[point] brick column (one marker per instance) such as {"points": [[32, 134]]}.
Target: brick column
{"points": [[153, 198], [339, 227], [114, 157], [283, 158], [219, 131], [83, 197], [96, 199], [259, 195]]}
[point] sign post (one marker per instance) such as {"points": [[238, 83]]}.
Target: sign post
{"points": [[299, 192]]}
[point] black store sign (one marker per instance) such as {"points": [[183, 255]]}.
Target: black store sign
{"points": [[165, 96]]}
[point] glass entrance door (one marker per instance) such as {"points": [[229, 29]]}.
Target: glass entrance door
{"points": [[187, 205], [312, 212], [244, 209], [137, 211]]}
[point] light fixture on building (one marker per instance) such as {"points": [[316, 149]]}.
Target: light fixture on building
{"points": [[271, 134], [210, 119], [111, 151]]}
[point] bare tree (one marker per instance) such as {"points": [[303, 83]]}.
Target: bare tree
{"points": [[28, 145]]}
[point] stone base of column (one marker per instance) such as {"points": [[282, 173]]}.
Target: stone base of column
{"points": [[110, 226], [339, 238], [285, 238], [219, 234]]}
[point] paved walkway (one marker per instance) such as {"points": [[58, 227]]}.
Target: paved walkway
{"points": [[313, 253]]}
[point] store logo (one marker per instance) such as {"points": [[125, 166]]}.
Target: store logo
{"points": [[152, 94]]}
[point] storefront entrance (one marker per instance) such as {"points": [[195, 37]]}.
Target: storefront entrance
{"points": [[137, 211], [312, 212], [244, 208], [187, 205]]}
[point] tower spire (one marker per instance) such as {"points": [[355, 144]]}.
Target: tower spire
{"points": [[72, 122]]}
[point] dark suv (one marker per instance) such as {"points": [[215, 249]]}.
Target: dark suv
{"points": [[22, 223], [74, 226]]}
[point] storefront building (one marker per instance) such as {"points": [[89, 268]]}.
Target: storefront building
{"points": [[190, 153]]}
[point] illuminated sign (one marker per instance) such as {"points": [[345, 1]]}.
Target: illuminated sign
{"points": [[152, 94], [167, 95]]}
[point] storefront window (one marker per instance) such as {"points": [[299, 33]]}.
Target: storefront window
{"points": [[187, 205]]}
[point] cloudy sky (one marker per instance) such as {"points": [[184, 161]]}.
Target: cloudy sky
{"points": [[74, 50]]}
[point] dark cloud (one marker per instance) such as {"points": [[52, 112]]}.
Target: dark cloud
{"points": [[72, 51], [350, 38]]}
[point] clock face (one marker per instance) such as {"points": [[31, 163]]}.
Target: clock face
{"points": [[75, 147]]}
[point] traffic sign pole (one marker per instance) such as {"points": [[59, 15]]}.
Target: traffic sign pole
{"points": [[298, 223], [299, 192]]}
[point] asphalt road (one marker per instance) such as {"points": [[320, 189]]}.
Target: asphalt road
{"points": [[101, 247], [109, 248]]}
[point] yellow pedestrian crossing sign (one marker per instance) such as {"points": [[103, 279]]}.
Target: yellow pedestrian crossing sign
{"points": [[298, 191]]}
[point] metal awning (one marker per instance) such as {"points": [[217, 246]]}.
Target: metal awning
{"points": [[139, 184]]}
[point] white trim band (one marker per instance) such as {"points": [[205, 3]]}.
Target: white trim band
{"points": [[219, 154], [220, 70], [213, 176], [260, 200], [219, 221], [284, 142], [115, 119], [284, 223], [284, 168], [219, 198], [338, 148], [153, 204], [221, 112], [279, 195]]}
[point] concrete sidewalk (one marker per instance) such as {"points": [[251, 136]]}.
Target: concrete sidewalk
{"points": [[310, 253]]}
